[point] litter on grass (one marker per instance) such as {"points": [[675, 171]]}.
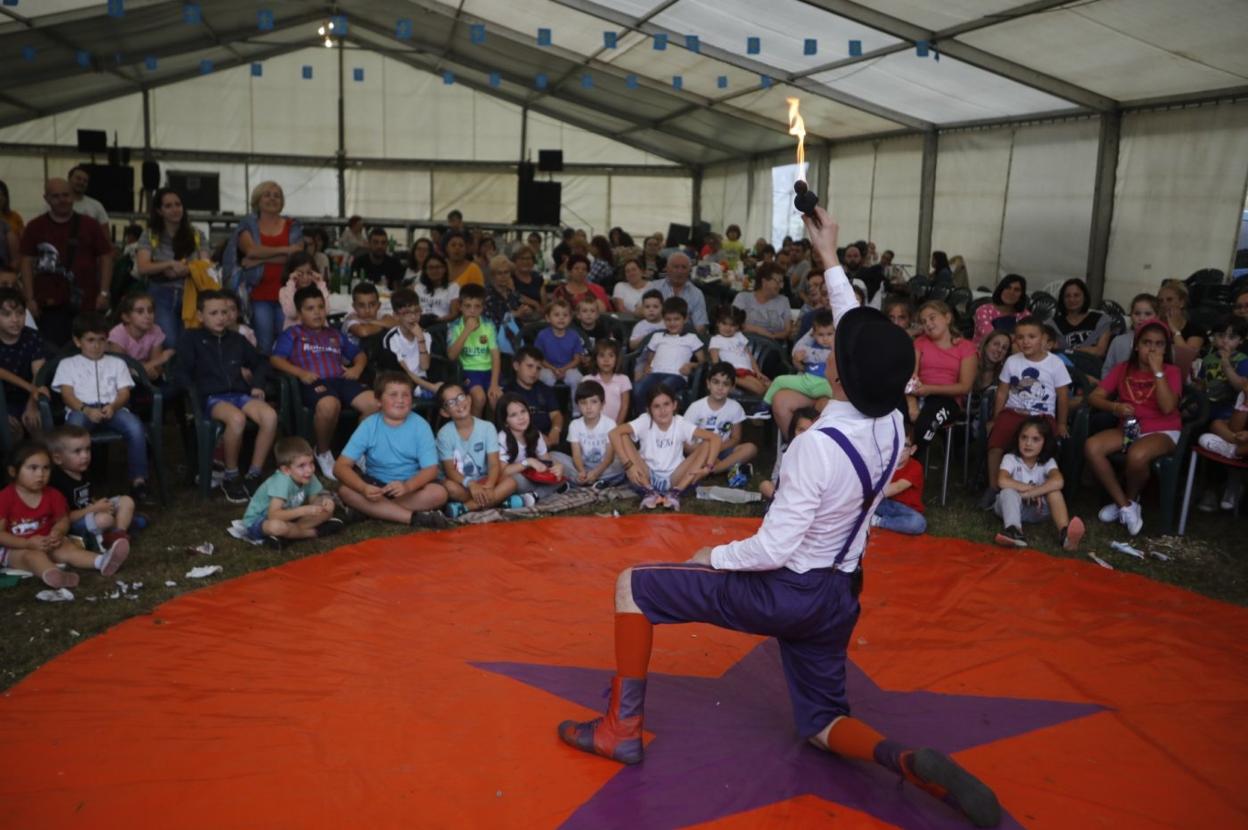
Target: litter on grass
{"points": [[57, 595], [1123, 547], [1098, 560], [203, 571], [169, 583], [203, 549]]}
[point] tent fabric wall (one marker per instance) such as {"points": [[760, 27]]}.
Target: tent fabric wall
{"points": [[972, 173], [483, 197], [725, 201], [585, 203], [24, 175], [873, 191], [1179, 194], [642, 205], [390, 193]]}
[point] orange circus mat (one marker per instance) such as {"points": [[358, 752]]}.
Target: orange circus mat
{"points": [[417, 682]]}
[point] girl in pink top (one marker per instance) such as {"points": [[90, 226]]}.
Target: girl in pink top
{"points": [[1146, 389], [617, 386], [1009, 299], [946, 370], [300, 273], [138, 336]]}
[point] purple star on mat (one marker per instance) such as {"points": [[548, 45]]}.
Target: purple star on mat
{"points": [[727, 745]]}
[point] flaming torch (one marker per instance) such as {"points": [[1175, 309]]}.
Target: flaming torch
{"points": [[805, 200]]}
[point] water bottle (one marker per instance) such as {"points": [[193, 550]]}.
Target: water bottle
{"points": [[1130, 431]]}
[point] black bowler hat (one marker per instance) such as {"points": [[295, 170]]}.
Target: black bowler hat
{"points": [[874, 359]]}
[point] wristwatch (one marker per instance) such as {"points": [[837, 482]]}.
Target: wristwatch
{"points": [[1159, 375]]}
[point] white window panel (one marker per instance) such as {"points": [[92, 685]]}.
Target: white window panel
{"points": [[1179, 197], [943, 91], [1126, 50], [294, 114], [482, 197], [209, 112], [823, 117], [781, 25], [309, 191], [942, 15], [405, 194]]}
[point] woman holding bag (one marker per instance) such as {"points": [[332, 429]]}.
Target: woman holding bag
{"points": [[163, 258]]}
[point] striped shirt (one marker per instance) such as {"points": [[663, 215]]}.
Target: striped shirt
{"points": [[324, 352]]}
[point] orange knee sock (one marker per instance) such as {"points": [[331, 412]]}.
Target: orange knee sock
{"points": [[633, 637], [853, 739]]}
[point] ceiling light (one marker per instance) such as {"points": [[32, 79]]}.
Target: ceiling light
{"points": [[321, 31], [329, 44]]}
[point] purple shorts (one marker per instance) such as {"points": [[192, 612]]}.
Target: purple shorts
{"points": [[235, 399], [811, 615]]}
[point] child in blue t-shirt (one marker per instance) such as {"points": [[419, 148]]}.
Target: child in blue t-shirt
{"points": [[399, 479], [291, 504], [468, 450], [561, 346]]}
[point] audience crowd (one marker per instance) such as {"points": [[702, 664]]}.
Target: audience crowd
{"points": [[475, 372]]}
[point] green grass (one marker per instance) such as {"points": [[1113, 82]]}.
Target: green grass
{"points": [[1209, 560]]}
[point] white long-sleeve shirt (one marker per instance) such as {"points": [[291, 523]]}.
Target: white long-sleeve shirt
{"points": [[820, 497]]}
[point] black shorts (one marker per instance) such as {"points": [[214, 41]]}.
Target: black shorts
{"points": [[344, 389]]}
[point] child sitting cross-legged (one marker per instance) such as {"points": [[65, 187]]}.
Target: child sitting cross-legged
{"points": [[95, 387], [468, 450], [34, 521], [590, 437], [1031, 487], [106, 521], [722, 415], [409, 343], [229, 374], [671, 355], [291, 504], [657, 465], [523, 453], [328, 367], [389, 468], [901, 509]]}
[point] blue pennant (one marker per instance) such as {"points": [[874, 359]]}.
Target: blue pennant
{"points": [[543, 37], [631, 82], [205, 67], [116, 8], [722, 82], [610, 40], [403, 28], [84, 58], [307, 73], [257, 70], [151, 63], [541, 81], [753, 45], [339, 25], [810, 46], [660, 42], [264, 20], [855, 48], [358, 74], [192, 14], [476, 33], [496, 79]]}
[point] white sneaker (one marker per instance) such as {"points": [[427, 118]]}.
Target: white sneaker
{"points": [[1109, 513], [1230, 496], [529, 499], [1131, 518], [1208, 502], [1217, 444], [325, 461]]}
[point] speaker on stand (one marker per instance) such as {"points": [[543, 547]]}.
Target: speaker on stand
{"points": [[151, 183]]}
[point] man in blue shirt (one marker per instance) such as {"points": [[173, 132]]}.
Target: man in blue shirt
{"points": [[389, 468], [675, 283]]}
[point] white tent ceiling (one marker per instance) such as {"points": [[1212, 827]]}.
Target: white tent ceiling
{"points": [[999, 60]]}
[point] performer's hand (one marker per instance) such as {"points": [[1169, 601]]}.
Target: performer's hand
{"points": [[822, 233], [702, 557]]}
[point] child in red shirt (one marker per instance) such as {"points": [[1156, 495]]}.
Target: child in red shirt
{"points": [[34, 519], [901, 510]]}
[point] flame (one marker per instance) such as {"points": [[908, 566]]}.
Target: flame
{"points": [[797, 127]]}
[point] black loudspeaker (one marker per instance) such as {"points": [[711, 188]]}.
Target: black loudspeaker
{"points": [[677, 235], [527, 171], [550, 161], [699, 232], [539, 203], [92, 141], [113, 186], [151, 176], [199, 191]]}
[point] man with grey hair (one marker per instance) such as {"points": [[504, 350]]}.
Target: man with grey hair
{"points": [[675, 283], [67, 264]]}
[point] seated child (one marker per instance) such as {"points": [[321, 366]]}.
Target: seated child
{"points": [[592, 326], [1033, 383], [106, 522], [803, 419], [1223, 372], [234, 323], [138, 336], [362, 320], [468, 450], [810, 354], [731, 346], [22, 355], [901, 509], [328, 367], [1031, 487], [543, 406], [1228, 437], [657, 465], [95, 387], [521, 447], [616, 386], [561, 346], [34, 521], [291, 504], [473, 341], [229, 375], [651, 318], [593, 459], [300, 273], [389, 468], [410, 344], [671, 355], [719, 413]]}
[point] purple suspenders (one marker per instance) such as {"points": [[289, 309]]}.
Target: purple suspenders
{"points": [[869, 492]]}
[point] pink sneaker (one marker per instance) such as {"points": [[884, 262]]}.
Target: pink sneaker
{"points": [[650, 501]]}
